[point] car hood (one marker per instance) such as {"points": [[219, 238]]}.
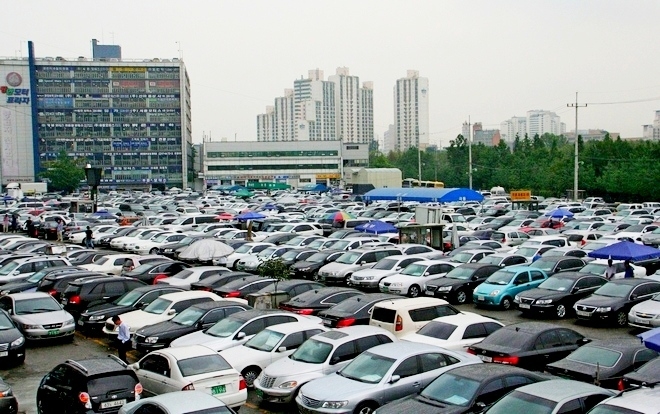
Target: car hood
{"points": [[200, 337], [648, 306], [334, 387], [9, 335], [598, 300], [337, 267], [286, 367], [139, 318], [420, 405], [107, 308], [537, 293], [305, 264], [45, 318], [166, 328], [17, 286], [445, 281], [486, 288]]}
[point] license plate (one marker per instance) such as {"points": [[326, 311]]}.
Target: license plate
{"points": [[260, 393], [582, 313], [53, 332], [481, 298], [4, 353], [110, 404], [642, 322], [486, 358], [327, 322], [385, 289], [218, 389], [524, 306], [81, 323], [428, 293]]}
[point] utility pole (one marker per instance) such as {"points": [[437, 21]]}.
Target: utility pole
{"points": [[419, 160], [576, 166], [470, 152]]}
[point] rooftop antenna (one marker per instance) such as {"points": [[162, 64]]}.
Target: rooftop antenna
{"points": [[112, 36], [180, 50]]}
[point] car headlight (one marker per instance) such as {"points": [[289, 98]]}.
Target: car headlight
{"points": [[444, 289], [28, 327], [304, 269], [151, 339], [288, 384], [604, 309], [334, 404], [4, 292], [334, 273], [543, 301], [69, 322], [97, 317], [494, 293], [168, 250], [516, 298], [18, 342]]}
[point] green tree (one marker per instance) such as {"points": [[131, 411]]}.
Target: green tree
{"points": [[276, 269], [65, 173]]}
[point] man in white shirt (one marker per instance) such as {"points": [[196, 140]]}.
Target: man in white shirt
{"points": [[123, 338], [610, 271]]}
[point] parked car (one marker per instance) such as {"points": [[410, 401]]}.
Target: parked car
{"points": [[22, 268], [571, 251], [81, 293], [314, 301], [457, 285], [252, 262], [340, 271], [599, 266], [529, 345], [188, 276], [603, 362], [645, 314], [31, 283], [177, 402], [94, 385], [411, 281], [637, 401], [240, 288], [13, 352], [355, 310], [270, 296], [55, 284], [191, 368], [152, 272], [612, 302], [38, 316], [504, 259], [8, 401], [502, 286], [552, 265], [308, 269], [557, 294], [320, 355], [382, 374], [646, 375], [220, 279], [404, 316]]}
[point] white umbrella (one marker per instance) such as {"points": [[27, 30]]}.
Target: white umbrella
{"points": [[455, 241], [205, 250]]}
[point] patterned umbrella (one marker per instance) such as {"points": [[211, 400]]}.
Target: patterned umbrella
{"points": [[339, 216]]}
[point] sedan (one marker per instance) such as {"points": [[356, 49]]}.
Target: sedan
{"points": [[186, 277], [308, 269], [212, 282], [504, 259], [552, 265], [152, 272], [603, 362], [13, 349], [177, 402], [457, 285], [411, 281], [38, 316], [648, 373], [646, 314], [314, 301], [192, 367], [529, 345], [375, 377], [355, 310]]}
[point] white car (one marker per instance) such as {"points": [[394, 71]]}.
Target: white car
{"points": [[111, 264], [151, 245], [79, 237], [191, 368], [251, 262], [455, 332], [371, 277], [162, 309], [245, 250], [119, 242], [411, 281], [268, 346], [187, 277]]}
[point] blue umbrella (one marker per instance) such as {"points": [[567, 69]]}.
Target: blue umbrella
{"points": [[558, 213], [249, 215], [651, 339], [625, 250], [376, 227]]}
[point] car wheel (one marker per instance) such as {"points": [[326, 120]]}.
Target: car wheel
{"points": [[621, 318], [560, 311], [506, 303], [315, 276], [461, 297], [365, 408], [347, 280], [250, 374], [153, 251], [40, 407], [413, 291]]}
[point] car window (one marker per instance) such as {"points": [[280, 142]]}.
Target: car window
{"points": [[518, 380], [156, 364], [344, 352], [293, 341], [407, 367], [431, 361], [278, 319], [493, 386], [521, 278], [643, 356], [118, 262], [340, 297], [591, 400], [185, 304], [476, 330], [491, 327], [367, 342], [548, 340], [571, 407], [254, 327], [536, 275], [569, 337], [114, 288], [215, 315]]}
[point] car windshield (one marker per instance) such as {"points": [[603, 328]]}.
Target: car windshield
{"points": [[188, 317], [290, 255], [158, 306], [160, 238], [5, 322], [317, 257], [339, 244], [595, 268], [614, 290], [367, 367], [146, 235], [386, 264], [462, 273], [184, 274], [546, 265], [36, 305], [266, 253], [265, 340], [595, 355], [557, 283], [595, 245], [554, 253], [296, 241], [37, 276], [312, 352], [501, 277], [317, 244], [491, 259], [527, 251], [656, 298], [202, 364], [8, 268], [519, 402], [128, 298], [224, 328], [348, 257], [142, 268], [187, 240], [414, 269], [244, 248], [451, 389], [438, 330], [462, 257]]}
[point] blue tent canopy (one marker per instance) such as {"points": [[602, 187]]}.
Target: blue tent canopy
{"points": [[423, 195], [376, 227], [625, 250], [315, 187]]}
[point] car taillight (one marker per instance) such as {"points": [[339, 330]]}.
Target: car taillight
{"points": [[583, 242], [158, 277], [304, 311], [345, 322], [507, 360], [471, 351], [84, 398], [242, 384], [74, 300], [233, 294], [188, 387], [399, 324], [205, 288], [52, 292], [621, 385], [138, 389]]}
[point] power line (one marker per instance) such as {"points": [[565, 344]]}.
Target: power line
{"points": [[657, 98]]}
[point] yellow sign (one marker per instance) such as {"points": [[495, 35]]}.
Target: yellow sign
{"points": [[521, 195], [324, 176], [127, 69]]}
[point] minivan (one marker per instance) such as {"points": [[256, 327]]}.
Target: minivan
{"points": [[403, 316]]}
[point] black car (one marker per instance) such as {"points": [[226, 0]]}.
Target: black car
{"points": [[497, 223], [215, 281], [56, 284], [33, 281], [296, 255], [458, 284], [8, 402], [308, 269], [47, 230], [195, 318], [279, 238], [355, 310], [529, 345], [612, 301], [94, 317], [314, 301], [80, 294], [269, 297], [89, 257], [466, 389], [104, 241], [557, 294], [151, 272], [171, 249], [12, 340], [242, 287], [88, 386], [646, 375], [552, 265], [603, 362]]}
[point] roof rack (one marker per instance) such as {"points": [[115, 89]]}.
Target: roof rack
{"points": [[116, 358], [76, 364]]}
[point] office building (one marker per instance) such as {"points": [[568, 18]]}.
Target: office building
{"points": [[411, 111]]}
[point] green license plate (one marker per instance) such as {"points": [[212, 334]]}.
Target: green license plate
{"points": [[53, 332], [260, 393], [218, 389]]}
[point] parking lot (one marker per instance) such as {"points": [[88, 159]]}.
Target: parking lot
{"points": [[41, 358]]}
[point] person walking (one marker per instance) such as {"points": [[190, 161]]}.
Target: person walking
{"points": [[630, 273], [14, 223], [29, 225], [5, 223], [88, 238], [123, 338], [610, 271], [60, 230]]}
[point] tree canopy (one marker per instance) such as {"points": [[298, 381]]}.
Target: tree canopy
{"points": [[64, 173]]}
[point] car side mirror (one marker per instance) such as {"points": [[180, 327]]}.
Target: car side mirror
{"points": [[394, 379], [140, 305], [397, 268], [199, 325], [363, 262], [480, 405], [335, 360], [10, 311], [634, 296], [281, 349], [475, 277], [575, 290], [240, 335], [171, 312]]}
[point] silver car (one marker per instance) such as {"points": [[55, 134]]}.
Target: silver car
{"points": [[375, 377], [178, 402], [38, 315]]}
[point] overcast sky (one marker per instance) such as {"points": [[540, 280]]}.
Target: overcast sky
{"points": [[487, 60]]}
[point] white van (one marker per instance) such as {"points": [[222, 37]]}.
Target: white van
{"points": [[404, 316]]}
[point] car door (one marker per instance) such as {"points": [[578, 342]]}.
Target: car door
{"points": [[56, 390], [408, 381], [513, 260], [113, 290], [155, 372], [537, 277], [519, 283], [549, 347], [214, 315]]}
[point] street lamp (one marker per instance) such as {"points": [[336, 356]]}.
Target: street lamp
{"points": [[93, 176]]}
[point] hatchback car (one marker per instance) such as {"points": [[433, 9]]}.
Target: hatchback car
{"points": [[502, 286], [38, 316]]}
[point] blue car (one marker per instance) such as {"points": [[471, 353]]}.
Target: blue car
{"points": [[502, 286]]}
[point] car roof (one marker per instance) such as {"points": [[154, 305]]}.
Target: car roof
{"points": [[189, 294], [341, 335], [574, 275], [477, 265], [640, 400], [411, 303], [149, 288], [289, 327], [100, 278], [483, 372], [214, 304], [95, 366], [561, 389], [619, 344], [402, 349], [633, 281], [533, 327], [189, 351], [257, 313], [463, 318], [29, 295]]}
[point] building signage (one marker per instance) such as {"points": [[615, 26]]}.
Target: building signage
{"points": [[521, 195], [326, 176], [12, 90]]}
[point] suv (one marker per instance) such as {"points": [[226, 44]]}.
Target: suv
{"points": [[403, 316], [340, 270], [55, 284], [95, 385], [318, 356], [81, 293]]}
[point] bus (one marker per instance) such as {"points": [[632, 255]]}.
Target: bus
{"points": [[411, 182]]}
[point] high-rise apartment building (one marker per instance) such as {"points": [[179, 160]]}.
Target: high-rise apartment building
{"points": [[131, 118], [536, 122], [652, 131], [411, 111]]}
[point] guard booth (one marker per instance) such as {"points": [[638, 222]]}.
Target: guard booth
{"points": [[426, 234], [522, 200], [81, 206]]}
